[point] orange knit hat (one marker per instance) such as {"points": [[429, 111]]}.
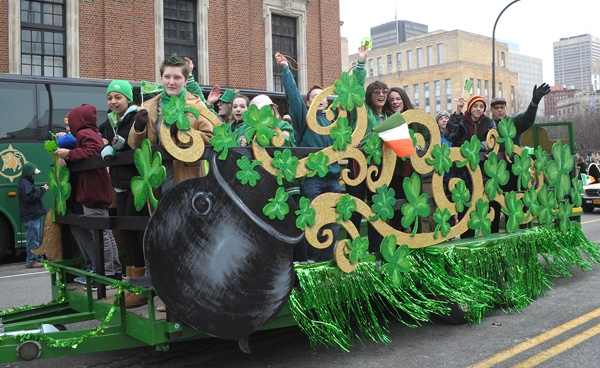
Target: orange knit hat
{"points": [[474, 99]]}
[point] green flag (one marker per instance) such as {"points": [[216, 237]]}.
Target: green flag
{"points": [[468, 85], [150, 87]]}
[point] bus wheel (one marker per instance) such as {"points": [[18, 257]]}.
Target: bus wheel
{"points": [[4, 238]]}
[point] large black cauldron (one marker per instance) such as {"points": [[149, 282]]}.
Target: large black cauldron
{"points": [[216, 261]]}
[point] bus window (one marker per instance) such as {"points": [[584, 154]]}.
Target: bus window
{"points": [[55, 101], [19, 120]]}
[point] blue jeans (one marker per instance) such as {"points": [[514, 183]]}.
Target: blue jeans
{"points": [[312, 188], [34, 240]]}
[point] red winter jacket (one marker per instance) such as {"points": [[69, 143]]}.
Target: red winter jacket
{"points": [[93, 186]]}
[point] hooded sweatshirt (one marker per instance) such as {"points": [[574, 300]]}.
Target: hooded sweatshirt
{"points": [[93, 186]]}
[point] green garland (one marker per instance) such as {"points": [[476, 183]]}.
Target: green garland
{"points": [[336, 309]]}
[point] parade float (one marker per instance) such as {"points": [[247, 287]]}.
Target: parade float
{"points": [[219, 249]]}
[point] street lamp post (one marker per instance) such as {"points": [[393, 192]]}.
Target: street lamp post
{"points": [[494, 49]]}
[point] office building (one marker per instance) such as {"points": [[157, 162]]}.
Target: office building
{"points": [[395, 32], [530, 73], [574, 59]]}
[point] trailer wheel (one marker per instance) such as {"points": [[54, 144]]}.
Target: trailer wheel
{"points": [[29, 350], [4, 238], [457, 315]]}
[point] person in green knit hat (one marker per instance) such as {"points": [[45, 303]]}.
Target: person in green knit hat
{"points": [[31, 209]]}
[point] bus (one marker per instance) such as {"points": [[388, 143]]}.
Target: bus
{"points": [[33, 107]]}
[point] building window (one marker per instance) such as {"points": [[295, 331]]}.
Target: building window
{"points": [[419, 57], [429, 55], [479, 86], [472, 84], [427, 102], [409, 61], [406, 89], [486, 90], [180, 28], [512, 100], [43, 38], [502, 60], [438, 95], [499, 89], [389, 63], [284, 38], [448, 95], [370, 67], [379, 65], [416, 95], [399, 61], [440, 47]]}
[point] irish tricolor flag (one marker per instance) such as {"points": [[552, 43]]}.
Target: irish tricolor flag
{"points": [[394, 132]]}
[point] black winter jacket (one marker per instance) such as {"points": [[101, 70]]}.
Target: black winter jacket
{"points": [[31, 206], [120, 176]]}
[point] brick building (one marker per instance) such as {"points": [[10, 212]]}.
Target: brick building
{"points": [[232, 42], [557, 95]]}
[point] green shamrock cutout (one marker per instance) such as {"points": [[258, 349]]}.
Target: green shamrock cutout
{"points": [[397, 258], [541, 160], [174, 112], [470, 150], [317, 164], [498, 175], [441, 218], [51, 145], [277, 207], [286, 165], [152, 175], [514, 211], [345, 207], [479, 221], [223, 140], [520, 169], [306, 214], [530, 197], [373, 149], [544, 206], [417, 204], [576, 191], [261, 122], [559, 169], [383, 203], [341, 134], [349, 92], [441, 159], [59, 184], [461, 196], [247, 174], [358, 250], [508, 131], [564, 215]]}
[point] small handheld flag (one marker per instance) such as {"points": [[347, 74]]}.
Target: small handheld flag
{"points": [[394, 132], [367, 42], [468, 85], [149, 88]]}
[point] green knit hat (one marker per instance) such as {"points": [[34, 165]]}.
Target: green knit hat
{"points": [[29, 169], [228, 96], [121, 86]]}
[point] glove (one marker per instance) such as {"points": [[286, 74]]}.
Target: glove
{"points": [[107, 152], [120, 143], [141, 120], [539, 92]]}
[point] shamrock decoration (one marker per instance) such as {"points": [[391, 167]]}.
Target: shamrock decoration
{"points": [[546, 203], [277, 207], [576, 191], [223, 140], [152, 175], [397, 258], [286, 165], [174, 112], [358, 250], [373, 149], [261, 122], [306, 214], [59, 184], [51, 145], [520, 168], [341, 134], [441, 158], [498, 175], [530, 197], [559, 168], [514, 211], [564, 215], [507, 131], [417, 204], [461, 195], [441, 218], [383, 203], [470, 150], [350, 93], [317, 164], [367, 43], [541, 160], [479, 221], [247, 175], [345, 207]]}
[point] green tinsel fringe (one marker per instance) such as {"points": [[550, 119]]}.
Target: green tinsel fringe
{"points": [[337, 309]]}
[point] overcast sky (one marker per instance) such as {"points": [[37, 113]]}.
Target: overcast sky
{"points": [[532, 24]]}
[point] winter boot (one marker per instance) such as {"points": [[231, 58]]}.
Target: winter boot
{"points": [[132, 300]]}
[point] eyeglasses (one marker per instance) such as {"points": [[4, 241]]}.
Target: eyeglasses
{"points": [[380, 92]]}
